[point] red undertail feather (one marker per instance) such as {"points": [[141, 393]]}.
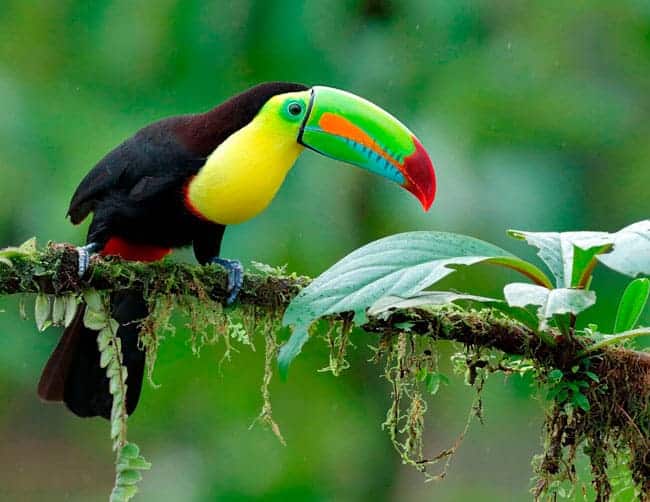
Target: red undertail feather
{"points": [[116, 246]]}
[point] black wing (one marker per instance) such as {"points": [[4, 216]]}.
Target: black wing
{"points": [[149, 162]]}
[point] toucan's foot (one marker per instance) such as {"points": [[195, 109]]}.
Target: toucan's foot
{"points": [[235, 277], [84, 257]]}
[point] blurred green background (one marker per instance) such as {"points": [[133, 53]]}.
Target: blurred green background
{"points": [[536, 114]]}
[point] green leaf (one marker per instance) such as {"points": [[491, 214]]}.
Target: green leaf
{"points": [[632, 304], [138, 463], [585, 260], [558, 251], [607, 340], [93, 300], [549, 302], [555, 375], [42, 311], [58, 310], [292, 348], [27, 248], [95, 319], [387, 303], [105, 358], [123, 493], [382, 306], [129, 477], [581, 401], [113, 384], [399, 265], [129, 451], [71, 306], [434, 380], [116, 426], [631, 253]]}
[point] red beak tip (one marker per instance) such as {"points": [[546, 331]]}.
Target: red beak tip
{"points": [[422, 177]]}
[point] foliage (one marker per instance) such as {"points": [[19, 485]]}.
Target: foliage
{"points": [[399, 265], [392, 273], [370, 285], [128, 460]]}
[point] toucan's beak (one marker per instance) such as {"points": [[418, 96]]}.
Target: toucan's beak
{"points": [[350, 129]]}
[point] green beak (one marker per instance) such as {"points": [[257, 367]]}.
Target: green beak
{"points": [[348, 128]]}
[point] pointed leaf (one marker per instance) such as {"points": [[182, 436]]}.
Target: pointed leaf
{"points": [[113, 385], [585, 260], [42, 311], [632, 304], [94, 319], [292, 348], [549, 302], [557, 251], [606, 340], [433, 381], [129, 477], [580, 400], [27, 248], [631, 253], [71, 306], [116, 427], [106, 358], [139, 463], [401, 265], [422, 299], [123, 493], [58, 310], [130, 450], [93, 300]]}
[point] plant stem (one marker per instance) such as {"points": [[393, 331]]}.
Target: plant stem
{"points": [[612, 339]]}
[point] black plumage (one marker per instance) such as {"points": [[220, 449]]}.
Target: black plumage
{"points": [[137, 194]]}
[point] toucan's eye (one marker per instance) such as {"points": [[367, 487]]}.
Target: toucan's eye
{"points": [[295, 109]]}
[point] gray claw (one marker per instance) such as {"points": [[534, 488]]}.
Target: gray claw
{"points": [[84, 257], [235, 272]]}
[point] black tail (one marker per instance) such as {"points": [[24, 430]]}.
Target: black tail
{"points": [[73, 375]]}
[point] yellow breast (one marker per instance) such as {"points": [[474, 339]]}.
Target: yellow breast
{"points": [[241, 177]]}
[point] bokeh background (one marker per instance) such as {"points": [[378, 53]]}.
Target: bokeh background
{"points": [[537, 116]]}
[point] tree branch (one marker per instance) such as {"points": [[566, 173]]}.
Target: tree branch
{"points": [[618, 393], [54, 271]]}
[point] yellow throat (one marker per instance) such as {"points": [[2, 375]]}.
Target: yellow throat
{"points": [[241, 177]]}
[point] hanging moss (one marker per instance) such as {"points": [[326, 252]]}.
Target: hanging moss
{"points": [[598, 403]]}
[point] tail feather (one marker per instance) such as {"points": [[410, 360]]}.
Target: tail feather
{"points": [[52, 383], [73, 374]]}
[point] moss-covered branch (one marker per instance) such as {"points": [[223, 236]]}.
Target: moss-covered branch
{"points": [[613, 383], [54, 271]]}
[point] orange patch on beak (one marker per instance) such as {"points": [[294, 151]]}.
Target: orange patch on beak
{"points": [[334, 124]]}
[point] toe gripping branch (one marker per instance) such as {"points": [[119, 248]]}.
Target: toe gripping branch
{"points": [[84, 253], [235, 272], [234, 269]]}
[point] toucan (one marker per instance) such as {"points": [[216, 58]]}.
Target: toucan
{"points": [[180, 181]]}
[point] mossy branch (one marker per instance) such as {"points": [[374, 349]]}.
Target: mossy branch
{"points": [[612, 417], [54, 271]]}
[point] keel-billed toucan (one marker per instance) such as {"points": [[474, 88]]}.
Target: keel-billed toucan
{"points": [[180, 181]]}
